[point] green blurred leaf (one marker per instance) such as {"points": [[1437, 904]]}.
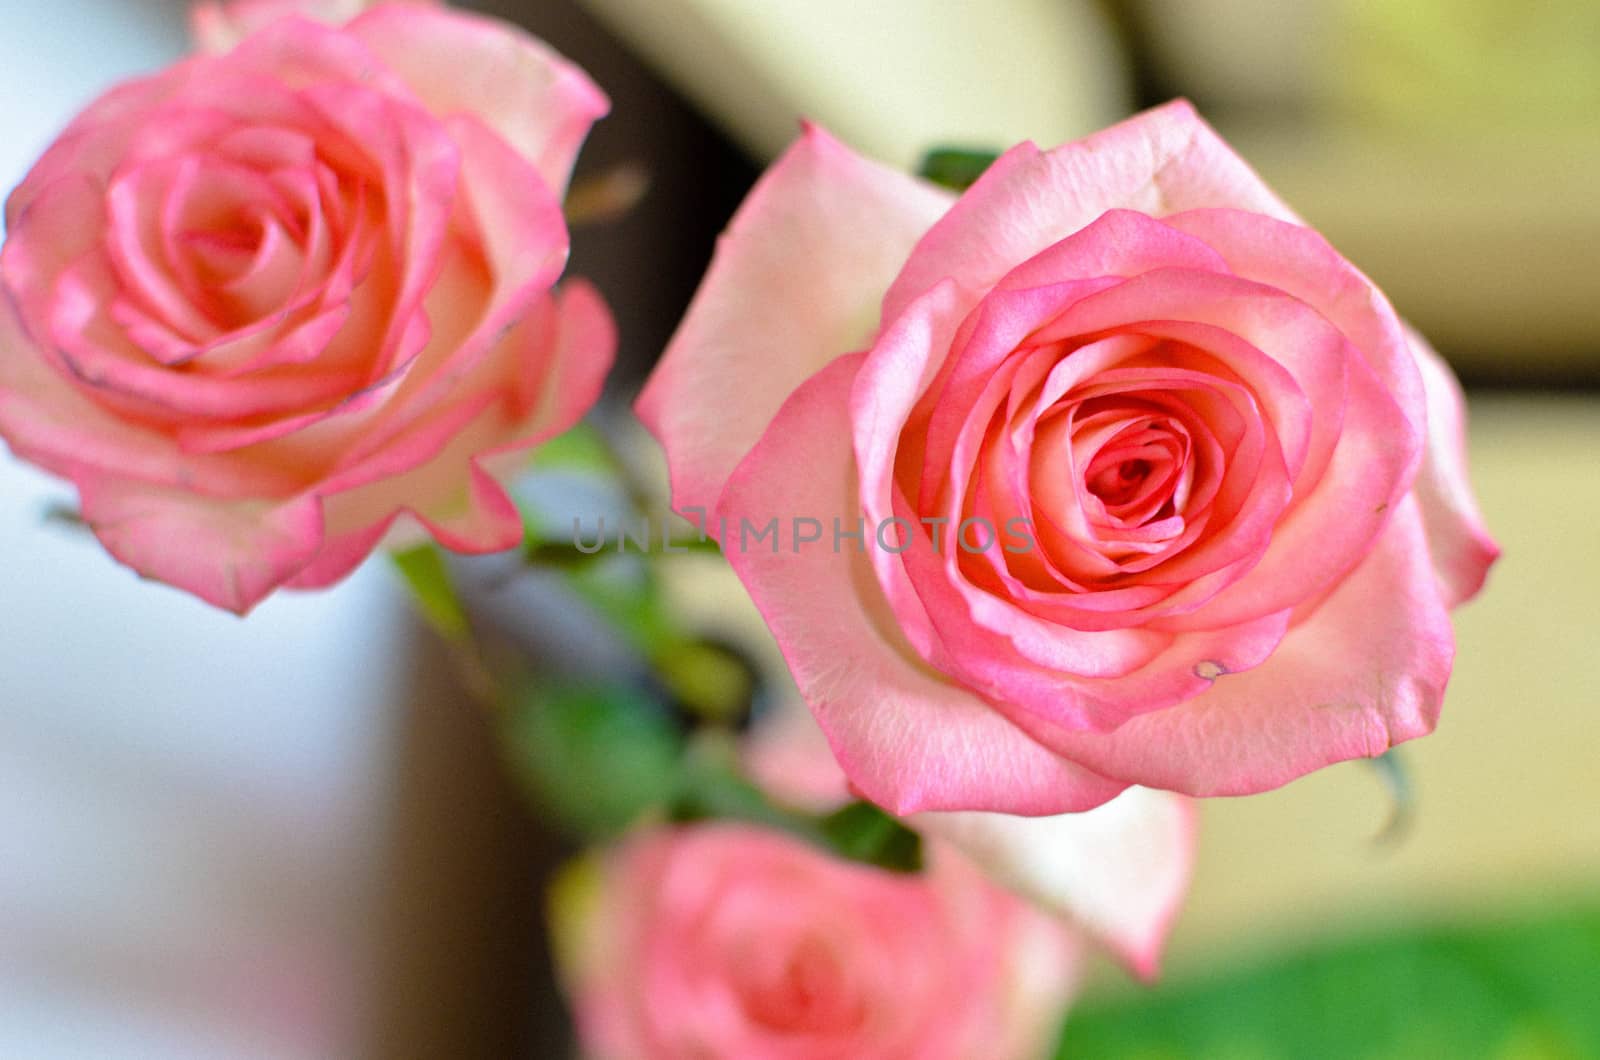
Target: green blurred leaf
{"points": [[1525, 989], [858, 832], [428, 579], [713, 789], [582, 449], [863, 832], [956, 168], [64, 513], [596, 756], [601, 757]]}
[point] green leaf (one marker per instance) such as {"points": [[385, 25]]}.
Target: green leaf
{"points": [[428, 579], [597, 757], [956, 168], [1522, 986], [863, 832], [858, 832], [601, 757], [714, 790]]}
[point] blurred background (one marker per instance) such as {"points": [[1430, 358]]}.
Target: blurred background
{"points": [[293, 838]]}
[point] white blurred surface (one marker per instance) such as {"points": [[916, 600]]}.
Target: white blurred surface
{"points": [[892, 78], [190, 804]]}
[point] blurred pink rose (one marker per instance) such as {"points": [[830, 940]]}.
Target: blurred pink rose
{"points": [[218, 25], [1154, 487], [726, 940], [270, 301]]}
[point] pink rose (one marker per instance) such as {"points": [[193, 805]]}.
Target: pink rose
{"points": [[1210, 495], [272, 300], [726, 940]]}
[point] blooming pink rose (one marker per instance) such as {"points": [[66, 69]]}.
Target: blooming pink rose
{"points": [[1155, 488], [218, 25], [270, 301], [1119, 871], [726, 940]]}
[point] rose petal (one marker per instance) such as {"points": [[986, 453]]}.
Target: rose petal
{"points": [[1459, 541], [886, 388], [50, 422], [1121, 870], [296, 51], [101, 357], [228, 553], [514, 228], [422, 171], [1160, 162], [1374, 451], [1367, 670], [459, 62], [1300, 262], [439, 472], [795, 283]]}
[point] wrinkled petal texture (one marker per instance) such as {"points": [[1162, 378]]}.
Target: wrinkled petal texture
{"points": [[268, 301], [728, 940], [1127, 446]]}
